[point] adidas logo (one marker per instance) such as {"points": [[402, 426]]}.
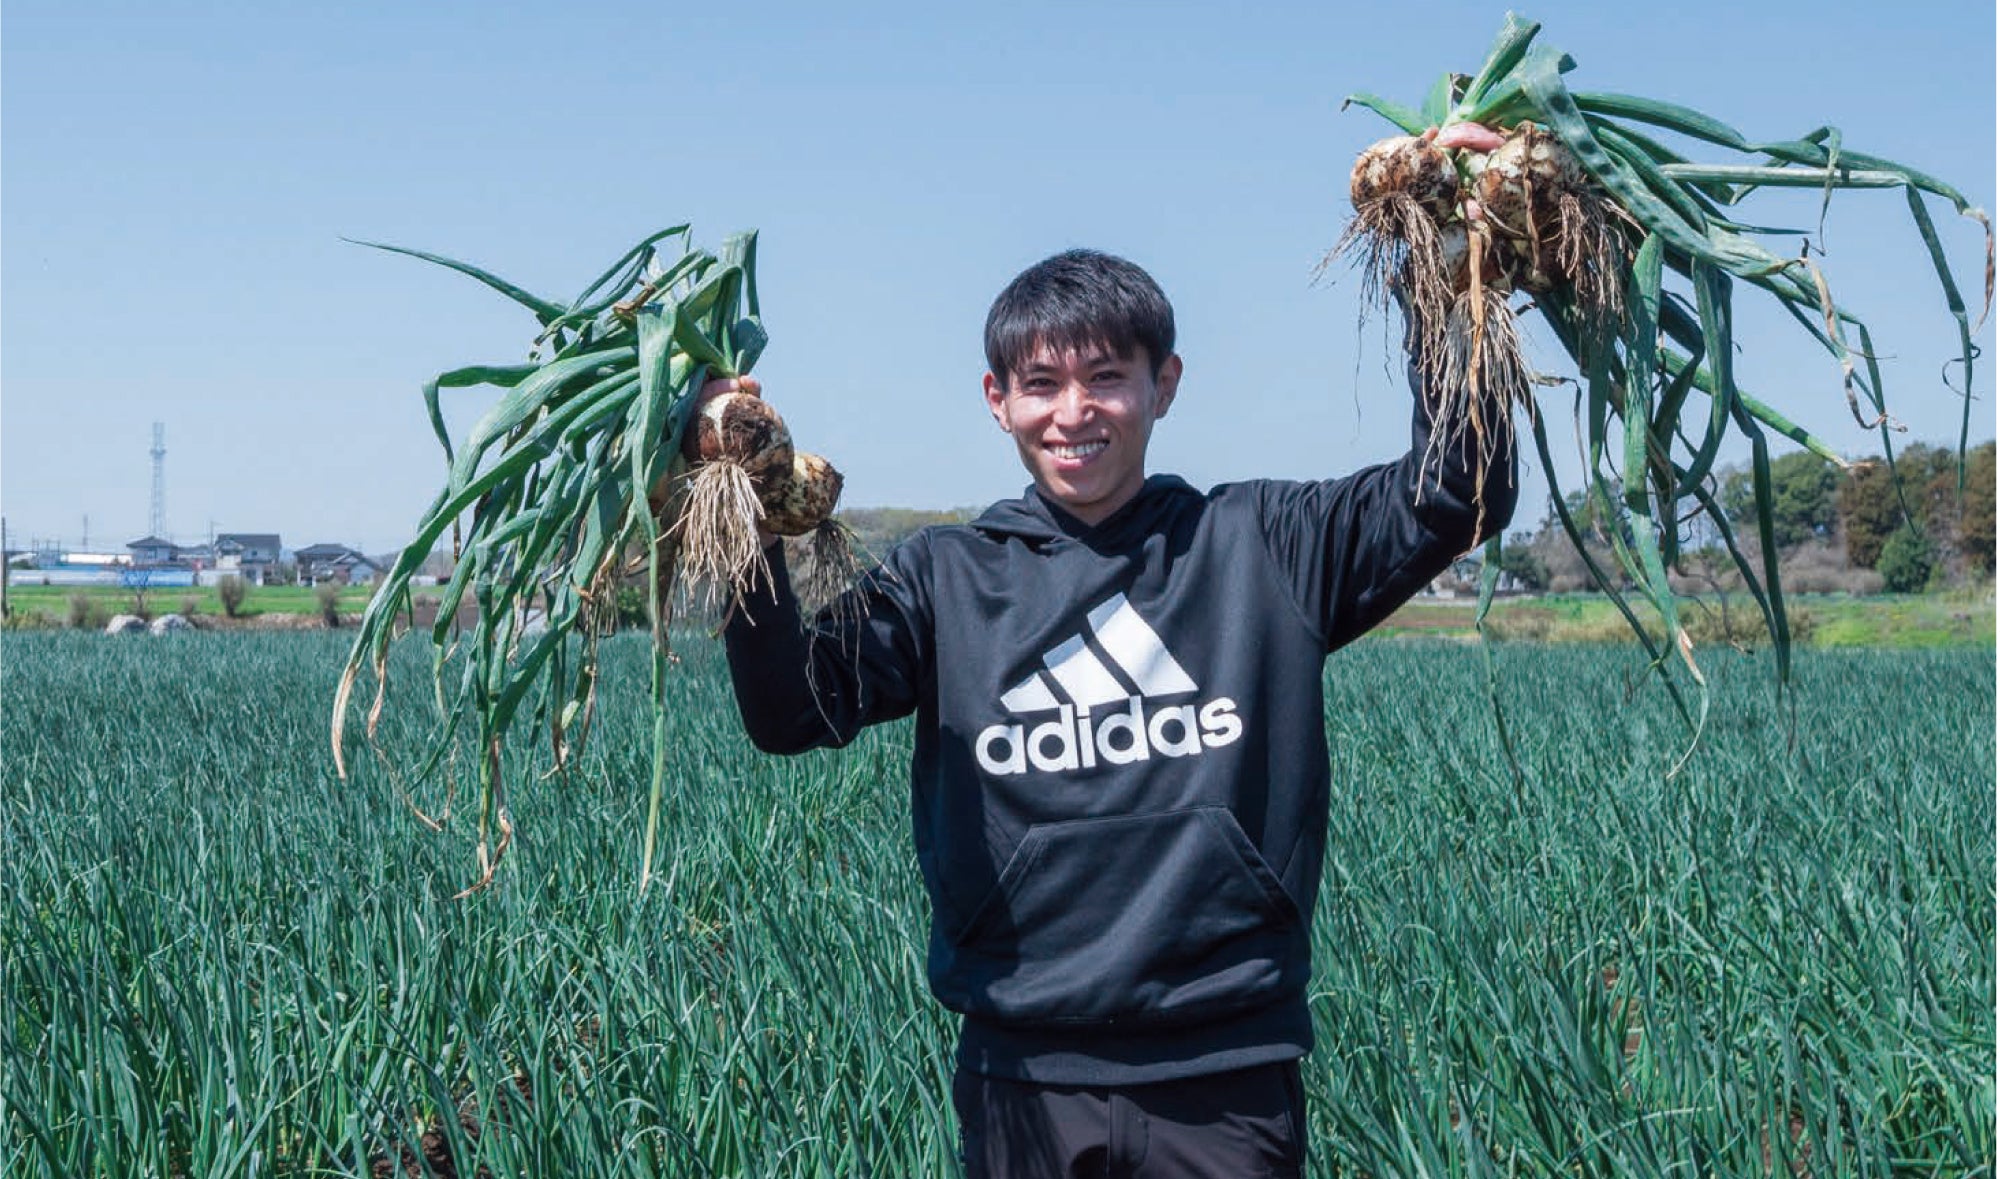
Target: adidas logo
{"points": [[1100, 685]]}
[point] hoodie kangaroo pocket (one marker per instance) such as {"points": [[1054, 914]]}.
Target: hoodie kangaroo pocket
{"points": [[1136, 918]]}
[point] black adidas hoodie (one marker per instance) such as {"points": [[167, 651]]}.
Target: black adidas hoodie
{"points": [[1119, 788]]}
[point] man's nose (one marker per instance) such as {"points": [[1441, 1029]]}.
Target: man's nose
{"points": [[1075, 404]]}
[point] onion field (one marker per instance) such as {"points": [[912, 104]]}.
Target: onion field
{"points": [[217, 959]]}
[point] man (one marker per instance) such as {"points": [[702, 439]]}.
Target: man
{"points": [[1120, 779]]}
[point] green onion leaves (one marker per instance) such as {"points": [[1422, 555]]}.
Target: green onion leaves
{"points": [[552, 493], [1650, 445]]}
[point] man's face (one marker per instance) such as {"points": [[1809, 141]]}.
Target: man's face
{"points": [[1081, 421]]}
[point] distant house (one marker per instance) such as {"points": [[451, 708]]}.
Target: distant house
{"points": [[358, 569], [1461, 580], [249, 555], [320, 564], [152, 550]]}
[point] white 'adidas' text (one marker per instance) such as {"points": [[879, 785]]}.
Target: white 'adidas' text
{"points": [[1076, 740]]}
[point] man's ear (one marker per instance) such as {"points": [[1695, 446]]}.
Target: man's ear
{"points": [[996, 402], [1167, 382]]}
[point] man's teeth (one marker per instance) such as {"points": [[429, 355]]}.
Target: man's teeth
{"points": [[1080, 450]]}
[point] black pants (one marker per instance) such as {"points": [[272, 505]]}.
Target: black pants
{"points": [[1234, 1125]]}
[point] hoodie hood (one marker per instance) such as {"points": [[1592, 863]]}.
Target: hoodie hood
{"points": [[1038, 520]]}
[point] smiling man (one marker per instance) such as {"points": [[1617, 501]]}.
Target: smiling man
{"points": [[1120, 780], [1081, 416]]}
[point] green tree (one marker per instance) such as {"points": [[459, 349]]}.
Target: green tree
{"points": [[1804, 499], [1975, 519], [1871, 510], [1906, 560], [1518, 559], [1960, 526], [1931, 487]]}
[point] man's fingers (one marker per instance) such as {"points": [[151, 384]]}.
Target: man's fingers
{"points": [[1470, 136], [721, 385]]}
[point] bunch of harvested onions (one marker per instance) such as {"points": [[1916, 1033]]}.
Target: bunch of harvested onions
{"points": [[592, 467], [747, 477], [1506, 181]]}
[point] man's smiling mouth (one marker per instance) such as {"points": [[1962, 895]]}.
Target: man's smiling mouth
{"points": [[1080, 450]]}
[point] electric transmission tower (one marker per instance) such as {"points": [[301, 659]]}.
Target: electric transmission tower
{"points": [[159, 524]]}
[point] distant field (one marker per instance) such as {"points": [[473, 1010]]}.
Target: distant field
{"points": [[23, 596], [1820, 620], [218, 959], [1900, 621]]}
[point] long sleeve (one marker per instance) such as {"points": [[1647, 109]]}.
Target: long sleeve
{"points": [[1357, 547], [862, 660]]}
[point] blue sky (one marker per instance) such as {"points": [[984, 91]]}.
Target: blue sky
{"points": [[177, 179]]}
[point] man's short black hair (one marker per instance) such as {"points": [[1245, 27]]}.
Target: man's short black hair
{"points": [[1075, 300]]}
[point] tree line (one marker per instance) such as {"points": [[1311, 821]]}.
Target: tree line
{"points": [[1864, 529]]}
